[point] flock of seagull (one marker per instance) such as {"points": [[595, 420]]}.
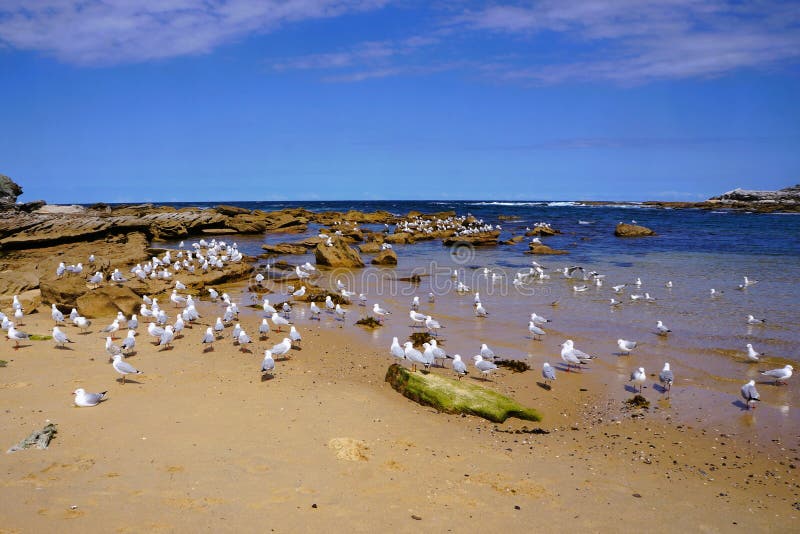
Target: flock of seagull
{"points": [[215, 255]]}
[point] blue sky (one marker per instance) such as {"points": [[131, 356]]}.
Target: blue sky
{"points": [[127, 101]]}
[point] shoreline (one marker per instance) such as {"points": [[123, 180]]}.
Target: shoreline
{"points": [[238, 447]]}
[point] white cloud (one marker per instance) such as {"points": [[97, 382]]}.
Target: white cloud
{"points": [[92, 32]]}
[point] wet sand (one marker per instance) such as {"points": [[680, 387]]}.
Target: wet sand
{"points": [[201, 443]]}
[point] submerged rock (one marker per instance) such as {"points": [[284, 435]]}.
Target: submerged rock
{"points": [[544, 249], [457, 397], [632, 230], [386, 257]]}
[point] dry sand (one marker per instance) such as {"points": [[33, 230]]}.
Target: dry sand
{"points": [[201, 443]]}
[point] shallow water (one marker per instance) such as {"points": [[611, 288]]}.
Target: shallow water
{"points": [[697, 250]]}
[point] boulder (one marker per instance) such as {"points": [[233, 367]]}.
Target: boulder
{"points": [[632, 230], [542, 231], [247, 224], [386, 257], [476, 240], [338, 255], [63, 291], [285, 248], [106, 301], [370, 247], [9, 191], [456, 396], [231, 211], [16, 281], [544, 250]]}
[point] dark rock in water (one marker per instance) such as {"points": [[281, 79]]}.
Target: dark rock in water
{"points": [[542, 231], [9, 191], [337, 255], [514, 240], [386, 257], [456, 396], [632, 230], [544, 250], [484, 239]]}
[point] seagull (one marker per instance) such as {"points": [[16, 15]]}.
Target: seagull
{"points": [[748, 282], [112, 349], [219, 326], [666, 377], [459, 367], [56, 314], [87, 400], [315, 311], [752, 354], [18, 315], [668, 285], [236, 331], [432, 325], [480, 311], [753, 320], [625, 346], [484, 366], [638, 282], [263, 328], [713, 292], [538, 319], [396, 350], [300, 292], [294, 335], [380, 312], [780, 375], [124, 368], [415, 303], [243, 339], [154, 330], [477, 298], [176, 299], [16, 305], [573, 356], [618, 288], [417, 319], [282, 348], [16, 335], [427, 355], [341, 312], [580, 288], [60, 337], [638, 377], [129, 342], [213, 294], [750, 395], [82, 322], [413, 355], [329, 303], [548, 373], [362, 299], [662, 330], [166, 337], [486, 352], [614, 302], [535, 330], [278, 321], [268, 364]]}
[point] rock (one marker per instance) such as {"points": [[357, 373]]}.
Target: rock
{"points": [[476, 240], [9, 191], [370, 247], [542, 231], [514, 240], [285, 248], [63, 291], [403, 238], [354, 450], [71, 209], [456, 397], [17, 281], [742, 195], [509, 217], [338, 255], [231, 211], [106, 301], [34, 205], [544, 249], [386, 257], [632, 230], [247, 224]]}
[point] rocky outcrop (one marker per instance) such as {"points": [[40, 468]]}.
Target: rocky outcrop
{"points": [[514, 240], [786, 195], [386, 257], [544, 250], [9, 191], [63, 291], [632, 230], [403, 238], [476, 240], [542, 231], [285, 248], [370, 247], [338, 255], [106, 301]]}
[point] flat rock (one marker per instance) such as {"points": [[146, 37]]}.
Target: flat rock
{"points": [[477, 240], [285, 248], [544, 250], [386, 257], [632, 230], [370, 247]]}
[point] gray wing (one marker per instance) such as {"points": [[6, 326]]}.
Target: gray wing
{"points": [[208, 338], [94, 398], [749, 393], [398, 352], [549, 373], [774, 373], [459, 367], [125, 367], [268, 365], [483, 365], [666, 376]]}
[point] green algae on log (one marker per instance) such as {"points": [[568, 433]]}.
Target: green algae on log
{"points": [[456, 397]]}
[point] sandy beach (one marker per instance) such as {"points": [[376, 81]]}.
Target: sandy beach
{"points": [[200, 442]]}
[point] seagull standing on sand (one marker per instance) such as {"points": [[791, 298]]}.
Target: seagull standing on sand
{"points": [[294, 335], [208, 338], [60, 337], [219, 326], [625, 346], [780, 375], [282, 348], [573, 356], [459, 367], [56, 314], [752, 354], [15, 335], [666, 377], [396, 350], [87, 400], [133, 322], [166, 337], [484, 366], [263, 328], [315, 312], [548, 373], [638, 377], [535, 331], [278, 321], [82, 322], [243, 339], [124, 368], [413, 355], [268, 364], [438, 352], [129, 342], [750, 395]]}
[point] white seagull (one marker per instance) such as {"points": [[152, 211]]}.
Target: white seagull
{"points": [[124, 368], [780, 375], [625, 346], [459, 367], [484, 366], [85, 399], [666, 377], [638, 377], [750, 395], [548, 373]]}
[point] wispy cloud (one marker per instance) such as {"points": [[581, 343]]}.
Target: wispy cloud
{"points": [[103, 32], [632, 42]]}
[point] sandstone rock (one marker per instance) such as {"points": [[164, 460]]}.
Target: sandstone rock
{"points": [[386, 257], [231, 211], [476, 240], [542, 231], [106, 301], [63, 291], [632, 230], [247, 224], [514, 240], [338, 255], [34, 205], [544, 249], [403, 238], [53, 209], [17, 281], [9, 191], [370, 247], [285, 248]]}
